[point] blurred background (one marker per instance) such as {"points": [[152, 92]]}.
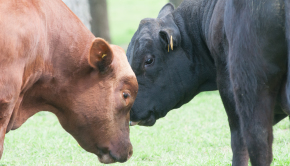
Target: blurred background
{"points": [[115, 20]]}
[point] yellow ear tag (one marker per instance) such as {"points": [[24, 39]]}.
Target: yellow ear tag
{"points": [[171, 42], [104, 55]]}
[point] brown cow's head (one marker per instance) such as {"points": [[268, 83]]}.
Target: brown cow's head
{"points": [[93, 104]]}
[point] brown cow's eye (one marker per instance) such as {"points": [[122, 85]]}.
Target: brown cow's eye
{"points": [[125, 95]]}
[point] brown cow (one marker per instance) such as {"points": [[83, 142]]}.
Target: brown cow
{"points": [[50, 61]]}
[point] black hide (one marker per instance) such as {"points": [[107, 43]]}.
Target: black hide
{"points": [[238, 47]]}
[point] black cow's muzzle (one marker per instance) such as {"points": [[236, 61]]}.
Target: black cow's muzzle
{"points": [[150, 121]]}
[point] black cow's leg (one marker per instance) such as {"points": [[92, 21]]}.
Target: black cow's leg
{"points": [[238, 145], [257, 128], [287, 25], [239, 148], [256, 63], [255, 100]]}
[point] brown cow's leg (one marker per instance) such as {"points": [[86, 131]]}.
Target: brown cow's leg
{"points": [[6, 108], [10, 87], [2, 136], [14, 114]]}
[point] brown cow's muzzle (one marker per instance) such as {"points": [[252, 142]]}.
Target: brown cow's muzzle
{"points": [[107, 156]]}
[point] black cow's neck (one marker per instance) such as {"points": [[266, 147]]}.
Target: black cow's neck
{"points": [[193, 19]]}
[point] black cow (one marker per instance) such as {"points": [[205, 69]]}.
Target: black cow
{"points": [[236, 46]]}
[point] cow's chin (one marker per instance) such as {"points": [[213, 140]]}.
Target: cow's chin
{"points": [[106, 159], [150, 121], [107, 156]]}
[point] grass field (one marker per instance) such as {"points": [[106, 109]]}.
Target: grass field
{"points": [[125, 16], [196, 134]]}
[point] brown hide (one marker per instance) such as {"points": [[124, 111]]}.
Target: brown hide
{"points": [[50, 61]]}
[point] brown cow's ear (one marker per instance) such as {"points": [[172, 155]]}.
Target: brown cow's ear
{"points": [[101, 55]]}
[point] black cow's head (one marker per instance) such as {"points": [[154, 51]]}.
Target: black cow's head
{"points": [[166, 74]]}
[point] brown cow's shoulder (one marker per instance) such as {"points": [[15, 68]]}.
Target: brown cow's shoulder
{"points": [[38, 43]]}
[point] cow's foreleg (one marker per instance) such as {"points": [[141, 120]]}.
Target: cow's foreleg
{"points": [[6, 109], [239, 148], [7, 105], [10, 87]]}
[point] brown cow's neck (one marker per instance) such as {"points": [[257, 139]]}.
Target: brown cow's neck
{"points": [[64, 40]]}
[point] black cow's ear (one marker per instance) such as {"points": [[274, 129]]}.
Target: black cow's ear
{"points": [[167, 9], [168, 38], [101, 55], [164, 37]]}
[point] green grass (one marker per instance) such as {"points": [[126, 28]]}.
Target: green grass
{"points": [[195, 134], [125, 16]]}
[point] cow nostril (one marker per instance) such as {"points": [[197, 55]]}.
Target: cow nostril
{"points": [[130, 154], [103, 150]]}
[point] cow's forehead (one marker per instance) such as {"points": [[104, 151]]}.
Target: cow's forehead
{"points": [[143, 46], [120, 63], [144, 40], [148, 22]]}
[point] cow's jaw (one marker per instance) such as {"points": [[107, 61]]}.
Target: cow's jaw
{"points": [[109, 157], [106, 159], [131, 123], [150, 121]]}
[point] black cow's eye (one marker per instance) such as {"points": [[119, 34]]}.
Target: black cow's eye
{"points": [[149, 61], [125, 95]]}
